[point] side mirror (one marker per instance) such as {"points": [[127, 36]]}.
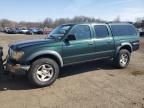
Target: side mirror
{"points": [[70, 37]]}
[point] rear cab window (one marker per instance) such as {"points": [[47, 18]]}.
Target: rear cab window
{"points": [[123, 30]]}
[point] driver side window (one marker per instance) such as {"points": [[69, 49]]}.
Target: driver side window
{"points": [[81, 32]]}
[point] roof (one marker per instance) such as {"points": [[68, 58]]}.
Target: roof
{"points": [[109, 23]]}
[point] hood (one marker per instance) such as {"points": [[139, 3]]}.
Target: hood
{"points": [[28, 43]]}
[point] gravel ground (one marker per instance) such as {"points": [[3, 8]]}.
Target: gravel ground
{"points": [[90, 85]]}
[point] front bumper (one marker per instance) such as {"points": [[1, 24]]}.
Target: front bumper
{"points": [[16, 68], [1, 61]]}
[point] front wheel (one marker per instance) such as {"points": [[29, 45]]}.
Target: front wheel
{"points": [[122, 59], [43, 72]]}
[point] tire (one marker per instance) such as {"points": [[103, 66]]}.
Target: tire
{"points": [[122, 59], [41, 68]]}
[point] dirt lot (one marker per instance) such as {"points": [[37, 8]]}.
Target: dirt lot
{"points": [[89, 85]]}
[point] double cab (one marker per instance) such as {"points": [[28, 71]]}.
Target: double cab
{"points": [[70, 44]]}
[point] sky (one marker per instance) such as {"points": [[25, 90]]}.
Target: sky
{"points": [[38, 10]]}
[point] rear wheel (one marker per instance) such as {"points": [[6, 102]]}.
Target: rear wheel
{"points": [[43, 72], [122, 59]]}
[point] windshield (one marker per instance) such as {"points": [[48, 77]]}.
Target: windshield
{"points": [[59, 32]]}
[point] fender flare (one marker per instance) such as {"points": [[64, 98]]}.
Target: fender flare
{"points": [[122, 45], [39, 53]]}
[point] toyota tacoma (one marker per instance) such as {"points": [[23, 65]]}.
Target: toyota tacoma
{"points": [[70, 44]]}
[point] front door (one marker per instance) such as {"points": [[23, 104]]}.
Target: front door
{"points": [[80, 49]]}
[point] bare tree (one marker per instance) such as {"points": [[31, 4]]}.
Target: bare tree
{"points": [[7, 23], [117, 19], [48, 22]]}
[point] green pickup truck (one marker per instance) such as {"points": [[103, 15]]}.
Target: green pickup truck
{"points": [[70, 44]]}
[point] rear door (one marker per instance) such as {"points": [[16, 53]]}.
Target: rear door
{"points": [[82, 48], [104, 42]]}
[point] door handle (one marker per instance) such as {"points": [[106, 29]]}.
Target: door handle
{"points": [[91, 43]]}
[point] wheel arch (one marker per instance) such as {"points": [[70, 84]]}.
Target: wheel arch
{"points": [[46, 54], [126, 46]]}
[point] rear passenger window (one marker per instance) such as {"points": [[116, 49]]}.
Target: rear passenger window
{"points": [[101, 31], [123, 30]]}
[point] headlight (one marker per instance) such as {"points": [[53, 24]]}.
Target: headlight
{"points": [[16, 54]]}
